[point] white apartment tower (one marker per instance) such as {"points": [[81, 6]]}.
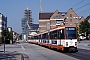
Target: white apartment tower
{"points": [[3, 23]]}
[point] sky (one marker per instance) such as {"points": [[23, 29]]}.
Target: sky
{"points": [[14, 9]]}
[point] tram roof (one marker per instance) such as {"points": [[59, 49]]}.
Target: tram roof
{"points": [[53, 29], [59, 27]]}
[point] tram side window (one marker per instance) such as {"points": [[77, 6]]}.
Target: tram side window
{"points": [[47, 36], [39, 37], [53, 35], [44, 36], [32, 37], [50, 35], [35, 37], [60, 34]]}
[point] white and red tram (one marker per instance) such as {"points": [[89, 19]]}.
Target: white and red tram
{"points": [[61, 38]]}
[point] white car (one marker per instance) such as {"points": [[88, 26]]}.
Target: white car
{"points": [[82, 37]]}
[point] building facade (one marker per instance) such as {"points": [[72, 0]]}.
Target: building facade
{"points": [[53, 19], [88, 18], [3, 23]]}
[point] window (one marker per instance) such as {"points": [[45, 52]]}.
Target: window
{"points": [[70, 15], [58, 22], [70, 20], [22, 28], [57, 17], [44, 36], [53, 35], [60, 34], [57, 34], [71, 33]]}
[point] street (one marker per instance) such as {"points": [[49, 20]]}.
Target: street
{"points": [[36, 52]]}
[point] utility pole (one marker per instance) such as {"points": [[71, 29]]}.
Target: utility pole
{"points": [[28, 21]]}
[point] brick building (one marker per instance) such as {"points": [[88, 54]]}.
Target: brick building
{"points": [[52, 19]]}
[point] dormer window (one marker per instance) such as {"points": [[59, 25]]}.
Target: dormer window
{"points": [[57, 17]]}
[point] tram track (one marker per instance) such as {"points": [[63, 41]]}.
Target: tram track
{"points": [[82, 54]]}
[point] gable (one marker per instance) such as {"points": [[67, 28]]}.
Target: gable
{"points": [[57, 15], [71, 12]]}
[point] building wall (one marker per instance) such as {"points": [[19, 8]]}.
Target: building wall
{"points": [[43, 25], [70, 19], [3, 23]]}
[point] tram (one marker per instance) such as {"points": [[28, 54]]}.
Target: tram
{"points": [[62, 38]]}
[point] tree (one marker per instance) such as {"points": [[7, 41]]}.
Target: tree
{"points": [[84, 27], [20, 37], [7, 35]]}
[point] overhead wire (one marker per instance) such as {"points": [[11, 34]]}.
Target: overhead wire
{"points": [[82, 6], [78, 3], [85, 10]]}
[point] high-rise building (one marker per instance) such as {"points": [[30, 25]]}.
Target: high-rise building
{"points": [[3, 24], [26, 22], [23, 28], [28, 16]]}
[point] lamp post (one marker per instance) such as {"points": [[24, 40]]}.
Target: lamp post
{"points": [[4, 44], [5, 34]]}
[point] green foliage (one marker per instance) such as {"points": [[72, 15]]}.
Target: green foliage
{"points": [[84, 27], [8, 35]]}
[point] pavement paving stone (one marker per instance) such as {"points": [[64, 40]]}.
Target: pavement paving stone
{"points": [[10, 56]]}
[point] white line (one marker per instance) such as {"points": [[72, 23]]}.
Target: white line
{"points": [[22, 47]]}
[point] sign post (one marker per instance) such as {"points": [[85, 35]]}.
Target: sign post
{"points": [[4, 44]]}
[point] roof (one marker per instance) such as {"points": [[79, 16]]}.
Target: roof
{"points": [[34, 26], [33, 33], [48, 15], [45, 15], [88, 17]]}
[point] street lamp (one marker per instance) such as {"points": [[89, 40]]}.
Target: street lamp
{"points": [[4, 44], [5, 34]]}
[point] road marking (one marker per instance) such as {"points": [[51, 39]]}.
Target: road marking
{"points": [[22, 47]]}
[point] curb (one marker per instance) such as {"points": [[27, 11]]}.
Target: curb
{"points": [[25, 57]]}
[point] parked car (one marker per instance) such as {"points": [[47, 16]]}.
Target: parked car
{"points": [[82, 37]]}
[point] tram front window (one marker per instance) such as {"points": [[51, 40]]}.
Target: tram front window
{"points": [[71, 33]]}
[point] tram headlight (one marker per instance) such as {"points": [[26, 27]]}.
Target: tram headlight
{"points": [[75, 43], [66, 43]]}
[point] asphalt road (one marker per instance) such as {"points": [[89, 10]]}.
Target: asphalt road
{"points": [[36, 52]]}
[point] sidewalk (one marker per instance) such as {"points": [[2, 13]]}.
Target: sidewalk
{"points": [[10, 56], [85, 44]]}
